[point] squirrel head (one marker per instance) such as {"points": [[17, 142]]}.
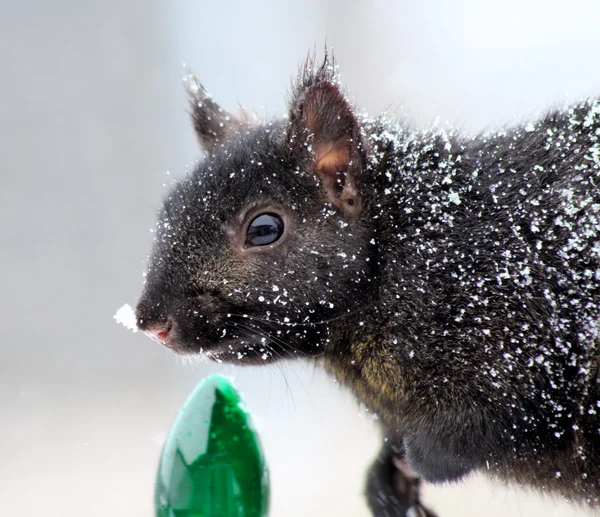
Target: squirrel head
{"points": [[267, 241]]}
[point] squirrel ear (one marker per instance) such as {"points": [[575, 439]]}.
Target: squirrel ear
{"points": [[213, 125], [321, 112]]}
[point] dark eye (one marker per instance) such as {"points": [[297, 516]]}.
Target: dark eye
{"points": [[264, 229]]}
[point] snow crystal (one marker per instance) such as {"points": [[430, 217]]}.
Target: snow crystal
{"points": [[126, 317], [454, 198]]}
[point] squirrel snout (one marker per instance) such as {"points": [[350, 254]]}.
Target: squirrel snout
{"points": [[157, 326], [160, 332]]}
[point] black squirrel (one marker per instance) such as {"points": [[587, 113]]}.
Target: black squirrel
{"points": [[452, 283]]}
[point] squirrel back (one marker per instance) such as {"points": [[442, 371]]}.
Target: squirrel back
{"points": [[452, 283]]}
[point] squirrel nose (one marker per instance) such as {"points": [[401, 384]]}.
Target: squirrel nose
{"points": [[160, 332]]}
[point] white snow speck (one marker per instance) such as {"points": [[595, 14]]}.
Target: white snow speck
{"points": [[453, 197], [126, 317]]}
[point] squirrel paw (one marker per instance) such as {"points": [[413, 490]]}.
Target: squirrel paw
{"points": [[393, 490]]}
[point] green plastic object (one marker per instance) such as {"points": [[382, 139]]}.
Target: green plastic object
{"points": [[212, 464]]}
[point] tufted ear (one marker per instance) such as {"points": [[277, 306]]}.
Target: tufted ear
{"points": [[321, 117], [213, 125]]}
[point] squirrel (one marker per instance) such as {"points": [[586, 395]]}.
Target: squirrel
{"points": [[452, 283]]}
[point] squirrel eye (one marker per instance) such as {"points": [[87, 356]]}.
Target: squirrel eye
{"points": [[264, 229]]}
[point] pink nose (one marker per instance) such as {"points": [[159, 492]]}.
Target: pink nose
{"points": [[160, 332]]}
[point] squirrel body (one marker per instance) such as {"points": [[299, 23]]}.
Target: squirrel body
{"points": [[452, 283]]}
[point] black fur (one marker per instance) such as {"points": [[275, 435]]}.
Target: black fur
{"points": [[457, 293]]}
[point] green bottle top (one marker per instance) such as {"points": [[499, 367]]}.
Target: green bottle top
{"points": [[212, 464]]}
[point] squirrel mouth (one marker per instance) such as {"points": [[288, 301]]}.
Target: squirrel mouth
{"points": [[244, 354], [239, 351], [226, 349], [232, 342]]}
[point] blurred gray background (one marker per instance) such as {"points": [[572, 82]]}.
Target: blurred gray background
{"points": [[93, 115]]}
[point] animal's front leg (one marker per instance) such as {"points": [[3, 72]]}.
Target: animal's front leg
{"points": [[393, 490]]}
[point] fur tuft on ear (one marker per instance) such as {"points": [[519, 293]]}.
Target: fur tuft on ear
{"points": [[311, 72], [212, 124], [322, 118]]}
